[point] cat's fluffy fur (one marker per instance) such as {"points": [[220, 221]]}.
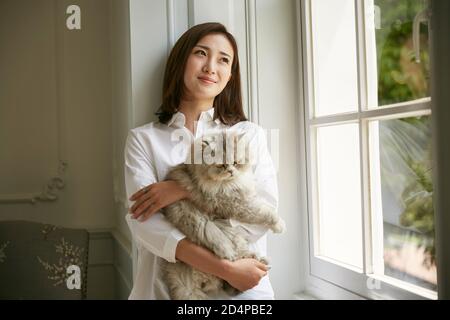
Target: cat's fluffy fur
{"points": [[217, 193]]}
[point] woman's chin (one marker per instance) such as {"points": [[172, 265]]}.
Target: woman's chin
{"points": [[204, 92]]}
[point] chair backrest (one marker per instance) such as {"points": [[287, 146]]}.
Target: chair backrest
{"points": [[36, 260]]}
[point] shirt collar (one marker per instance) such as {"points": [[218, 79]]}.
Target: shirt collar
{"points": [[176, 118], [179, 120]]}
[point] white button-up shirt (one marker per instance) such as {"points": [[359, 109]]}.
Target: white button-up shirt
{"points": [[150, 152]]}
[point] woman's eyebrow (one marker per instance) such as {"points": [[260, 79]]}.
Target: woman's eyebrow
{"points": [[207, 48]]}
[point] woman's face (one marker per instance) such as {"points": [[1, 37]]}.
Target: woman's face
{"points": [[208, 68]]}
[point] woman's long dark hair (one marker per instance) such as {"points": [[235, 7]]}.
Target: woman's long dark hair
{"points": [[228, 104]]}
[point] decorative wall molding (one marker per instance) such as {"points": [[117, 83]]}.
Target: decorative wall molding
{"points": [[252, 60], [170, 25], [200, 11], [110, 273], [190, 13], [49, 191], [55, 184]]}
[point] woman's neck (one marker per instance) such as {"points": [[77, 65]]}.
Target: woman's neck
{"points": [[192, 111]]}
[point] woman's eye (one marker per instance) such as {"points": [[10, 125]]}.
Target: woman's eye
{"points": [[201, 52], [225, 60]]}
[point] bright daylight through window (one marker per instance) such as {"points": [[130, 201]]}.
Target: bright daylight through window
{"points": [[368, 112]]}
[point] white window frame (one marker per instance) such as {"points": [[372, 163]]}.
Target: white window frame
{"points": [[326, 278]]}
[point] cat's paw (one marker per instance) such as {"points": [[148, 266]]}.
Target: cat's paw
{"points": [[279, 226], [264, 260]]}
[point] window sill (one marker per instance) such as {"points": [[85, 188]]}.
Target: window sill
{"points": [[304, 295]]}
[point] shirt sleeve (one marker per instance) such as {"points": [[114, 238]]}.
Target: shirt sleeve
{"points": [[265, 181], [156, 234]]}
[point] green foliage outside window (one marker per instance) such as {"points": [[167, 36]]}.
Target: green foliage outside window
{"points": [[402, 79]]}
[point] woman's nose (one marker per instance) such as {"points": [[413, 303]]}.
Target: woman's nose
{"points": [[209, 67]]}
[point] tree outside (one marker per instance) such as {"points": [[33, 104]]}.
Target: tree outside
{"points": [[405, 145]]}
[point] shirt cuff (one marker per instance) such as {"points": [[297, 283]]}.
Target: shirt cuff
{"points": [[170, 247]]}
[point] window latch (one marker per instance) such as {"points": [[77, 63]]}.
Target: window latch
{"points": [[422, 17]]}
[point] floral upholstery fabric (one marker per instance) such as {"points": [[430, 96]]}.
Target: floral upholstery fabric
{"points": [[39, 261]]}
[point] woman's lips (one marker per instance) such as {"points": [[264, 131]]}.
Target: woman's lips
{"points": [[206, 80]]}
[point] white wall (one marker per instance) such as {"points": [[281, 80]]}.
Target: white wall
{"points": [[278, 109], [64, 96], [55, 103], [121, 103]]}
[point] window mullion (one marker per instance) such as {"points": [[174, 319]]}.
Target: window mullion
{"points": [[361, 55], [415, 108], [363, 135], [311, 170], [411, 109]]}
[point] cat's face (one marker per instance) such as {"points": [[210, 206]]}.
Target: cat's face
{"points": [[225, 157], [224, 172]]}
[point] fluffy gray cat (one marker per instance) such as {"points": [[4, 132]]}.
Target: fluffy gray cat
{"points": [[219, 191]]}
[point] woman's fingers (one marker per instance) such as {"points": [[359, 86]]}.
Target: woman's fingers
{"points": [[262, 266], [143, 207], [147, 209], [160, 195], [138, 203], [140, 193], [141, 199], [151, 210], [263, 270]]}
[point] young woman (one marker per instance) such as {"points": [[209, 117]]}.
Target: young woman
{"points": [[201, 92]]}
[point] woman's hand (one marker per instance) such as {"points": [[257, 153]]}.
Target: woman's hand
{"points": [[244, 274], [154, 197]]}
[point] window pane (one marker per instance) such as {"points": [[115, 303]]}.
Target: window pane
{"points": [[400, 77], [339, 199], [404, 197], [335, 62]]}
